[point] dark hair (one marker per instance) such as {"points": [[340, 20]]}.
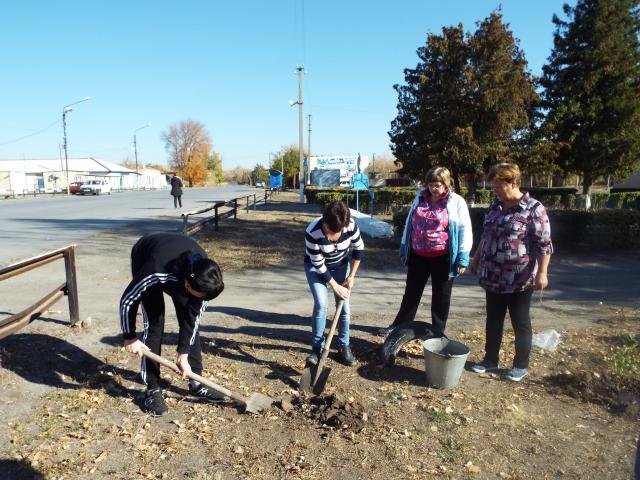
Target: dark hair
{"points": [[204, 275], [337, 216]]}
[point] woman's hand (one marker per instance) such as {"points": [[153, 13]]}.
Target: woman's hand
{"points": [[183, 364], [541, 281], [348, 283], [461, 270], [134, 345], [341, 291], [473, 267]]}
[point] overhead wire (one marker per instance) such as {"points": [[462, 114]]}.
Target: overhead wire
{"points": [[31, 134]]}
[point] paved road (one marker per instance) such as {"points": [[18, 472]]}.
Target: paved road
{"points": [[34, 225]]}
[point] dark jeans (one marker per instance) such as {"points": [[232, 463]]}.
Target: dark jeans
{"points": [[177, 201], [420, 269], [518, 304]]}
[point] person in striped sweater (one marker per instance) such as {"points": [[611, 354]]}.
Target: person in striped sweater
{"points": [[333, 251], [174, 264]]}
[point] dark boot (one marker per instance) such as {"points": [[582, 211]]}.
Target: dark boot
{"points": [[346, 356]]}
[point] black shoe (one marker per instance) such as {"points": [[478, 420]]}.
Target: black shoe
{"points": [[346, 356], [383, 332], [313, 359], [153, 403], [206, 393]]}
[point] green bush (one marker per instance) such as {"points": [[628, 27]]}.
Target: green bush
{"points": [[599, 200], [484, 196], [549, 201], [616, 200]]}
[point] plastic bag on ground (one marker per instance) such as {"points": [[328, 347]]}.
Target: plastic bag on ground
{"points": [[547, 340]]}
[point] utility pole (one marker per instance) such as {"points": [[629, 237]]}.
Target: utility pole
{"points": [[300, 127], [309, 142]]}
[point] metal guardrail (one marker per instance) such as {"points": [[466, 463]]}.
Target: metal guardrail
{"points": [[69, 287], [231, 206]]}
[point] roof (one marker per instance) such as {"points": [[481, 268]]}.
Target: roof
{"points": [[631, 183], [88, 165]]}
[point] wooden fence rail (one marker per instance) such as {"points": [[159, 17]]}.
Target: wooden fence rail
{"points": [[222, 210], [69, 288]]}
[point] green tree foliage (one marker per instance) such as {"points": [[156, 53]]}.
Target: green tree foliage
{"points": [[214, 166], [592, 89], [289, 156], [259, 174], [465, 104], [504, 91]]}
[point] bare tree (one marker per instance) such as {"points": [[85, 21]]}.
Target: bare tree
{"points": [[188, 144]]}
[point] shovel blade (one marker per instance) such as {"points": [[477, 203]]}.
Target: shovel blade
{"points": [[258, 402], [321, 381], [306, 380]]}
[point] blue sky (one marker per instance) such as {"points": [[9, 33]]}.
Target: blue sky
{"points": [[230, 65]]}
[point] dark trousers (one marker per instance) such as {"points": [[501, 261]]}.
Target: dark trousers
{"points": [[518, 304], [420, 269], [177, 201], [153, 312]]}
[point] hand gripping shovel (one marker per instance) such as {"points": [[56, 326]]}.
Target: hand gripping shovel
{"points": [[256, 402], [314, 378]]}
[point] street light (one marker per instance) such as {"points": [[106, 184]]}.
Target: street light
{"points": [[135, 151], [299, 68], [66, 109]]}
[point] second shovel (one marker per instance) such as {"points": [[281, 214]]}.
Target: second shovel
{"points": [[314, 377]]}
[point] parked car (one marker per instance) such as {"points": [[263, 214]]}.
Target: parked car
{"points": [[259, 184], [95, 187], [74, 187]]}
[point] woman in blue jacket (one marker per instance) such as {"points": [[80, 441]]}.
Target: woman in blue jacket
{"points": [[436, 243]]}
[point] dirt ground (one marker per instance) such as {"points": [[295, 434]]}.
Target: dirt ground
{"points": [[69, 396]]}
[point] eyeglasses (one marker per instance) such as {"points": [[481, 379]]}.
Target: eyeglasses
{"points": [[435, 185]]}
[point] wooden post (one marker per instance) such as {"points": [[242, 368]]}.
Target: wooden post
{"points": [[235, 208], [72, 284], [215, 220]]}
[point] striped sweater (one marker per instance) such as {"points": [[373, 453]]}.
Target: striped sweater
{"points": [[324, 254], [158, 264]]}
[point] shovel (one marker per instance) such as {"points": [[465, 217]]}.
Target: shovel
{"points": [[314, 378], [256, 402]]}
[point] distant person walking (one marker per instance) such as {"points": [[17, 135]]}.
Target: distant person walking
{"points": [[176, 191]]}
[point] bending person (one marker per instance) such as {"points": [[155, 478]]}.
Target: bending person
{"points": [[174, 264], [332, 256]]}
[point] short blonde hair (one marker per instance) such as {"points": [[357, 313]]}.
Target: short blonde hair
{"points": [[438, 174], [505, 172]]}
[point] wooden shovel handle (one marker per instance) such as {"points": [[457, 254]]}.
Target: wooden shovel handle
{"points": [[332, 331], [194, 376]]}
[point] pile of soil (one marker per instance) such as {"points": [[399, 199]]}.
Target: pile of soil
{"points": [[331, 411], [601, 389]]}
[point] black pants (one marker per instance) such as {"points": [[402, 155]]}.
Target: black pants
{"points": [[518, 304], [177, 201], [153, 314], [420, 269]]}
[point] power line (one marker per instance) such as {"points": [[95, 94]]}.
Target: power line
{"points": [[31, 134]]}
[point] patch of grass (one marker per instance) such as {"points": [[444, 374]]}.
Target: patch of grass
{"points": [[625, 360], [449, 449], [436, 416]]}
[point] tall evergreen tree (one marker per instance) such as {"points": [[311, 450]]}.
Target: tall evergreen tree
{"points": [[465, 103], [505, 93], [592, 89], [434, 107]]}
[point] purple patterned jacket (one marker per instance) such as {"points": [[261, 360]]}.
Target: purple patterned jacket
{"points": [[513, 240]]}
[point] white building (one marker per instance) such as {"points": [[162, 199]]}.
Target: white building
{"points": [[47, 175]]}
